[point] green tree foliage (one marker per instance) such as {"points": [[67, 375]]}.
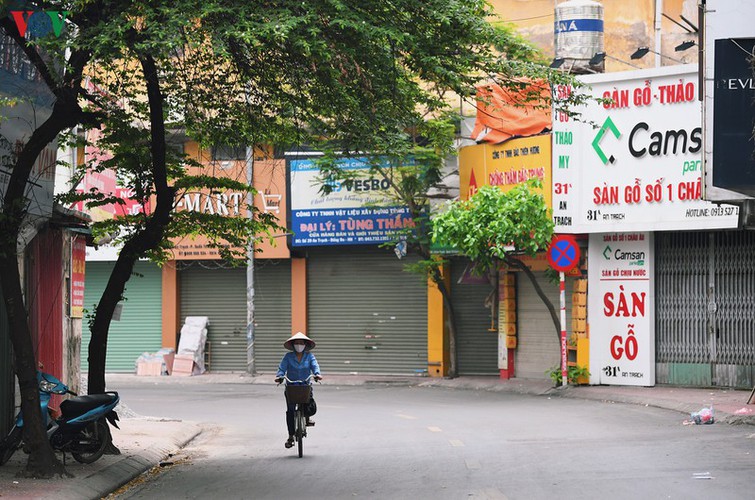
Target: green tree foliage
{"points": [[494, 227]]}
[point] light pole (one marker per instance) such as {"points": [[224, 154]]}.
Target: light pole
{"points": [[250, 368]]}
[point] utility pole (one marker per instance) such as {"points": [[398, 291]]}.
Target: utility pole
{"points": [[250, 368]]}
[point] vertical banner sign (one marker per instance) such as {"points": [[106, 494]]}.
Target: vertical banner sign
{"points": [[78, 275], [622, 323]]}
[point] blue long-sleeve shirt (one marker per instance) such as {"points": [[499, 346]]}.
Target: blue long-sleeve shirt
{"points": [[298, 370]]}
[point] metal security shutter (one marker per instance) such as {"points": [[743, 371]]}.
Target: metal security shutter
{"points": [[366, 313], [538, 348], [272, 312], [140, 327], [476, 346], [705, 314], [207, 289]]}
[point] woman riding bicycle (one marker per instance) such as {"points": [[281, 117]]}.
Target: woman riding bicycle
{"points": [[297, 366]]}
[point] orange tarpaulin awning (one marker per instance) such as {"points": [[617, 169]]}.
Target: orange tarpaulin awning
{"points": [[505, 113]]}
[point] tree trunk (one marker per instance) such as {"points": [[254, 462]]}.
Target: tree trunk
{"points": [[42, 462], [143, 240]]}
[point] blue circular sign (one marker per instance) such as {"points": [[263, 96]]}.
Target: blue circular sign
{"points": [[563, 253]]}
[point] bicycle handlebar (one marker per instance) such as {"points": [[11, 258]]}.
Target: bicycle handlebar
{"points": [[305, 381]]}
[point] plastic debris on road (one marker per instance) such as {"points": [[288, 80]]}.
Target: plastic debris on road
{"points": [[704, 416]]}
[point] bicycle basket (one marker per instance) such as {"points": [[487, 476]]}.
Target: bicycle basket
{"points": [[298, 393]]}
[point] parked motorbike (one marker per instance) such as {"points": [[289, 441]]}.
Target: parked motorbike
{"points": [[81, 429]]}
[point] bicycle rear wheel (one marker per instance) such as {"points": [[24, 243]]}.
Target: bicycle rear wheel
{"points": [[300, 431]]}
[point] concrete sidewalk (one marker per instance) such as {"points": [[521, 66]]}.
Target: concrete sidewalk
{"points": [[146, 442]]}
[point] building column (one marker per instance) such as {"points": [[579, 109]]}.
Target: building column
{"points": [[171, 305], [438, 358], [298, 295]]}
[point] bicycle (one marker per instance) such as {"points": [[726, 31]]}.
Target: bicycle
{"points": [[299, 394]]}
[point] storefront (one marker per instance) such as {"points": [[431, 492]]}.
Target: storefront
{"points": [[476, 327], [536, 348], [667, 299], [366, 312]]}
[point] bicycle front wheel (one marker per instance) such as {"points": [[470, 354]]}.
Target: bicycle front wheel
{"points": [[300, 431]]}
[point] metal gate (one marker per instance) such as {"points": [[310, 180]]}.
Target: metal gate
{"points": [[209, 289], [367, 313], [476, 344], [538, 347], [139, 329], [705, 313], [272, 312]]}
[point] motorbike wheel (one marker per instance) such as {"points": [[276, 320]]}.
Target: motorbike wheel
{"points": [[10, 444], [91, 442]]}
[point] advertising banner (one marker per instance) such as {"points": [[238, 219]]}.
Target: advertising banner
{"points": [[506, 165], [78, 276], [622, 324], [633, 163], [354, 214], [268, 178]]}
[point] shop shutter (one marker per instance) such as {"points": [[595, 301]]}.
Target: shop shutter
{"points": [[538, 347], [208, 289], [367, 314], [705, 296], [476, 345], [140, 327], [272, 312]]}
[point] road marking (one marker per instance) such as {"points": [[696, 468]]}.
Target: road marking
{"points": [[407, 417], [434, 429], [456, 443], [472, 464]]}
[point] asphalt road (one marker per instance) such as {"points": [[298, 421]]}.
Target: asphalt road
{"points": [[393, 442]]}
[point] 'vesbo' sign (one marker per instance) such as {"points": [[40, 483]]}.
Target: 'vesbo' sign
{"points": [[354, 213]]}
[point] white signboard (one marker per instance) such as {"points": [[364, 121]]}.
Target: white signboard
{"points": [[634, 163], [622, 325]]}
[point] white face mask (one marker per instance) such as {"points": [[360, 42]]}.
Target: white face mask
{"points": [[299, 347]]}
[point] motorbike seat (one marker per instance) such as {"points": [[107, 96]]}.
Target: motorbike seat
{"points": [[81, 404]]}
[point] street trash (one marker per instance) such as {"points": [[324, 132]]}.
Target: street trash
{"points": [[704, 416], [702, 475], [158, 363], [743, 411]]}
